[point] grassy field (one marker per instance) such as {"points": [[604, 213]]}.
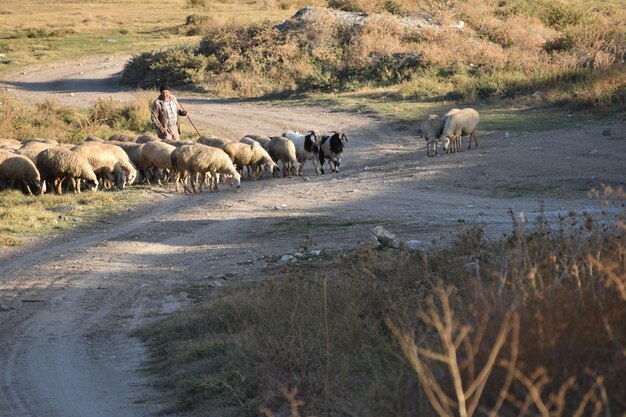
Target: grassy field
{"points": [[23, 217], [37, 31]]}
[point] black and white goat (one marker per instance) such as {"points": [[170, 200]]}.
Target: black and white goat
{"points": [[331, 148], [307, 148]]}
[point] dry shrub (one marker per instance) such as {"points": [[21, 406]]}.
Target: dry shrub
{"points": [[515, 30], [505, 50], [360, 6], [51, 119], [379, 36], [532, 325]]}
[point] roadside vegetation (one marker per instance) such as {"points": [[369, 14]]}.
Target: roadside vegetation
{"points": [[532, 325], [557, 52], [51, 119], [23, 218]]}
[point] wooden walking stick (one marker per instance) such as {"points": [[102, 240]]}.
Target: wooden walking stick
{"points": [[187, 114]]}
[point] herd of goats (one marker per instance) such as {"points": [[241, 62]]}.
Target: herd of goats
{"points": [[42, 165]]}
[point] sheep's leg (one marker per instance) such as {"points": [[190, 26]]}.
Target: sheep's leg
{"points": [[58, 182], [322, 159], [147, 174], [193, 177], [177, 182], [27, 188], [300, 169], [203, 179], [472, 136], [217, 182], [316, 164]]}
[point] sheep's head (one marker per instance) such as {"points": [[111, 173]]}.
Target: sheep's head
{"points": [[131, 177], [35, 186], [295, 168], [445, 142], [91, 184], [120, 181], [234, 179], [270, 166]]}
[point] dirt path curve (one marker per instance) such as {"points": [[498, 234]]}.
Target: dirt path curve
{"points": [[68, 305]]}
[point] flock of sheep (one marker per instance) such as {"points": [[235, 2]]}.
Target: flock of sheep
{"points": [[43, 165], [449, 129]]}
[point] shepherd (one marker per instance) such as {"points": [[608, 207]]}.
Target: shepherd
{"points": [[164, 114]]}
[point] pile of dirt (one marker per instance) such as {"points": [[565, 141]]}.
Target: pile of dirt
{"points": [[308, 17]]}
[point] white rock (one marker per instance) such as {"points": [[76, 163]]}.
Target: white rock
{"points": [[385, 238], [286, 258]]}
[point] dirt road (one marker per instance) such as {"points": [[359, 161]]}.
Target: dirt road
{"points": [[67, 305]]}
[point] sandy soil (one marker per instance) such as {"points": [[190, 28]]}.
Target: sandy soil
{"points": [[67, 305]]}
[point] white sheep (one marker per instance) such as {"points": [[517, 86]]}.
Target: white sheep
{"points": [[460, 123], [124, 161], [156, 156], [249, 141], [145, 138], [39, 140], [20, 169], [109, 161], [121, 137], [307, 148], [253, 156], [214, 141], [59, 163], [282, 149], [133, 151], [331, 148], [432, 126], [32, 149], [213, 161], [10, 143], [263, 140], [180, 162]]}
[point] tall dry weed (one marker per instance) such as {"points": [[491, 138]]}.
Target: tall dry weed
{"points": [[533, 325]]}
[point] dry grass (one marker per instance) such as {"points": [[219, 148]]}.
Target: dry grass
{"points": [[22, 216], [571, 52], [533, 325], [50, 119], [33, 32]]}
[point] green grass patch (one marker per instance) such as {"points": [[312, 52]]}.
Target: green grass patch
{"points": [[493, 116], [42, 216], [302, 224], [526, 189]]}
